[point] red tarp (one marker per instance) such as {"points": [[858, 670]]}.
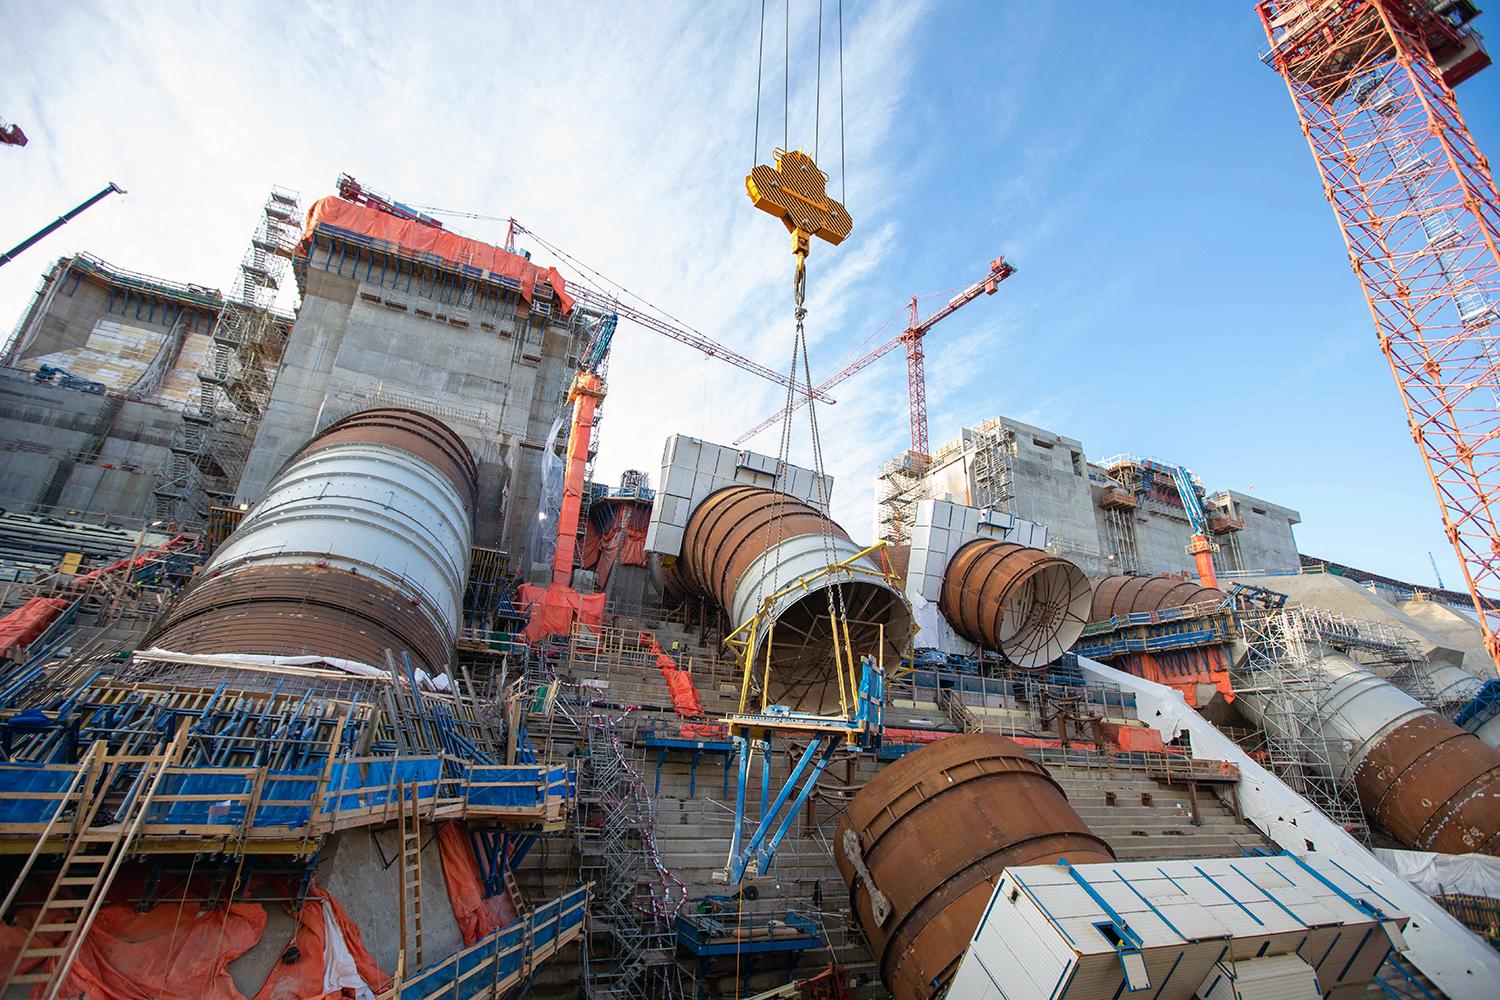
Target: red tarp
{"points": [[477, 914], [679, 682], [416, 237], [615, 535], [308, 977], [555, 609], [133, 564], [173, 951], [24, 624]]}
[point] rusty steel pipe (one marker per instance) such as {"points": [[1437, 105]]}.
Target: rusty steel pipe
{"points": [[743, 544], [1023, 603], [933, 831], [1434, 787], [360, 545], [1127, 595]]}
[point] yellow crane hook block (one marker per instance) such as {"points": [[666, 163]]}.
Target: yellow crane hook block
{"points": [[795, 191]]}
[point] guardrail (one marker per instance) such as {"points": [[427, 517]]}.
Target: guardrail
{"points": [[249, 807], [504, 958]]}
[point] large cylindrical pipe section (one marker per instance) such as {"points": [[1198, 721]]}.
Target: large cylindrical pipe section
{"points": [[1023, 603], [931, 833], [744, 544], [1425, 781], [1128, 595], [360, 545]]}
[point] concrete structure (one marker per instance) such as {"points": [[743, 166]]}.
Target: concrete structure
{"points": [[1110, 517], [130, 345], [388, 326]]}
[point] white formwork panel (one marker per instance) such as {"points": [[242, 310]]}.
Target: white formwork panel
{"points": [[692, 469], [1051, 931]]}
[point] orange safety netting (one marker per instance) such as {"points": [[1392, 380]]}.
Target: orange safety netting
{"points": [[332, 957], [477, 914], [416, 237], [615, 535], [24, 624], [173, 951], [1185, 670], [133, 564], [679, 682], [555, 609]]}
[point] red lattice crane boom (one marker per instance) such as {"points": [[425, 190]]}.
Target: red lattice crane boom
{"points": [[1372, 82], [911, 339]]}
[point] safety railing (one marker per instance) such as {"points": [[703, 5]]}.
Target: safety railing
{"points": [[503, 958], [246, 805]]}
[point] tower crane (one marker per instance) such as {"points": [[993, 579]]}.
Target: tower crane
{"points": [[911, 339], [1372, 82]]}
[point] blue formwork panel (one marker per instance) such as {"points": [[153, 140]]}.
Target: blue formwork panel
{"points": [[15, 778]]}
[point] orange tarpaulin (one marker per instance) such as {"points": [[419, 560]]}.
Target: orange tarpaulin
{"points": [[173, 951], [476, 913], [332, 956], [24, 624], [555, 609], [679, 682], [615, 535], [451, 247]]}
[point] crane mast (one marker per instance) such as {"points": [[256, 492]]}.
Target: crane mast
{"points": [[911, 339], [1372, 82]]}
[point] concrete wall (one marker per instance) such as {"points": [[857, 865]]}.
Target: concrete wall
{"points": [[1052, 483], [66, 448], [1266, 542], [498, 378]]}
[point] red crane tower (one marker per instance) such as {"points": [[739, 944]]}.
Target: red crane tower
{"points": [[1372, 82], [911, 339]]}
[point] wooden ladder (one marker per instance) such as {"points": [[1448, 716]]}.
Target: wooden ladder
{"points": [[411, 876], [93, 859], [514, 892]]}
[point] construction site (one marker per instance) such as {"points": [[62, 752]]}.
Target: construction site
{"points": [[330, 666]]}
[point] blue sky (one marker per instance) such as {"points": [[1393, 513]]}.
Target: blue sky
{"points": [[1183, 290]]}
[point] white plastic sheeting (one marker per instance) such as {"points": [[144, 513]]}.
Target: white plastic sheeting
{"points": [[1469, 874], [1462, 965]]}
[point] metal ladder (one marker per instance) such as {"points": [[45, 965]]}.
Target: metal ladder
{"points": [[93, 859]]}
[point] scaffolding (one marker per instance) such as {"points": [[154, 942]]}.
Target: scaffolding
{"points": [[208, 452], [637, 899], [992, 472], [897, 490], [1280, 669]]}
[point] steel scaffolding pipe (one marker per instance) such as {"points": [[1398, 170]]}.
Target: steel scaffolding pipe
{"points": [[745, 546], [1020, 602], [361, 544], [923, 843], [1425, 781]]}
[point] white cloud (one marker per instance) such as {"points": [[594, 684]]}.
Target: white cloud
{"points": [[621, 134]]}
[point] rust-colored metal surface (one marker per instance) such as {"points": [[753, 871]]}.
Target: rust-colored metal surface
{"points": [[733, 527], [741, 545], [301, 607], [898, 559], [1434, 787], [934, 830], [300, 610], [1126, 595], [426, 437], [1021, 602]]}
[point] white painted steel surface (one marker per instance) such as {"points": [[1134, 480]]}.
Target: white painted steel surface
{"points": [[1359, 708], [787, 561], [369, 509], [1464, 966]]}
